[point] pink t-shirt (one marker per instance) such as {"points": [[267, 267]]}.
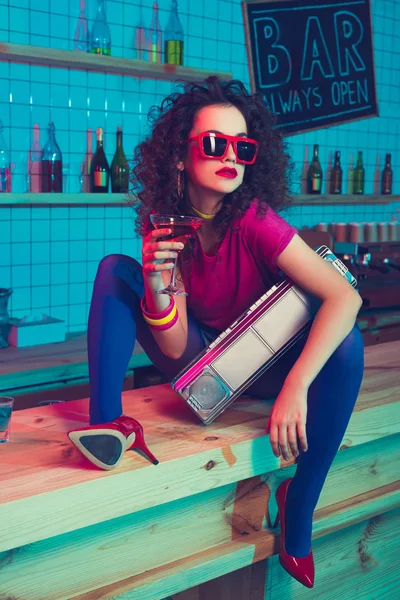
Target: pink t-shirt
{"points": [[221, 287]]}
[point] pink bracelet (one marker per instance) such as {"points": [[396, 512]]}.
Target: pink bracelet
{"points": [[156, 316], [163, 320], [166, 325]]}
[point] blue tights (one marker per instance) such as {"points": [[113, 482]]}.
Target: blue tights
{"points": [[116, 322]]}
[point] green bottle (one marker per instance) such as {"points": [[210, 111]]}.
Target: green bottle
{"points": [[100, 36], [99, 169], [173, 36], [359, 175], [336, 176], [387, 176], [154, 37], [314, 174], [119, 168]]}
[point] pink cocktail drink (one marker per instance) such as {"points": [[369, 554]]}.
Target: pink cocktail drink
{"points": [[182, 228]]}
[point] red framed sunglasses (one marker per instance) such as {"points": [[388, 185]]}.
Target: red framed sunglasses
{"points": [[216, 145]]}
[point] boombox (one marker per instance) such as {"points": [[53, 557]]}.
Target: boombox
{"points": [[248, 347]]}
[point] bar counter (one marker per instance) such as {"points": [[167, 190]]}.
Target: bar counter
{"points": [[145, 532]]}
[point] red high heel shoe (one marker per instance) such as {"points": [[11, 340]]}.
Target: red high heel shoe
{"points": [[105, 444], [301, 569]]}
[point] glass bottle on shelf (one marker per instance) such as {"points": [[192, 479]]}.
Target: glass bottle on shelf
{"points": [[85, 184], [304, 171], [350, 175], [119, 168], [52, 179], [155, 37], [329, 168], [5, 168], [81, 36], [314, 175], [100, 36], [387, 176], [359, 175], [336, 176], [99, 169], [140, 40], [35, 163], [377, 175], [173, 36]]}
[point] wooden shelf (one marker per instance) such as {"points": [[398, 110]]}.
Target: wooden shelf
{"points": [[51, 57], [342, 199], [29, 199]]}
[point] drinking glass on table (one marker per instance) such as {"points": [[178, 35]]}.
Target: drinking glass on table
{"points": [[182, 228], [6, 406]]}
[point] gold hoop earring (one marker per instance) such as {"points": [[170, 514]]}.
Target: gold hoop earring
{"points": [[180, 184]]}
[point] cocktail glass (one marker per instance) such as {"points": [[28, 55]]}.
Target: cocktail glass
{"points": [[182, 228]]}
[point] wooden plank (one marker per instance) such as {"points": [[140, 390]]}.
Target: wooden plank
{"points": [[362, 552], [68, 359], [360, 562], [385, 355], [15, 360], [39, 396], [51, 363], [151, 585], [52, 57], [372, 424], [51, 473], [28, 199], [381, 381], [225, 558], [169, 532], [379, 326], [225, 451], [53, 479], [378, 319], [155, 583], [64, 199], [356, 472], [104, 554], [342, 199], [381, 336]]}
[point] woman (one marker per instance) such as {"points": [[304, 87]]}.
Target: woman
{"points": [[213, 153]]}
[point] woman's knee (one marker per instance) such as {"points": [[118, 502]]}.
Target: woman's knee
{"points": [[111, 262], [119, 265], [350, 352]]}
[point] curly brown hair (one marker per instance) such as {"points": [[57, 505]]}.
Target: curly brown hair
{"points": [[155, 170]]}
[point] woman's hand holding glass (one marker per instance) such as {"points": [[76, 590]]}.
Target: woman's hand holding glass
{"points": [[158, 256]]}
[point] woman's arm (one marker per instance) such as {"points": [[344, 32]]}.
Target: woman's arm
{"points": [[335, 317], [172, 342], [156, 259]]}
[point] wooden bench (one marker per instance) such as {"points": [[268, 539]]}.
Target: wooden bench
{"points": [[54, 371], [379, 325], [197, 526]]}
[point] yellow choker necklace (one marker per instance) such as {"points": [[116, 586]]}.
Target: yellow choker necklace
{"points": [[200, 214]]}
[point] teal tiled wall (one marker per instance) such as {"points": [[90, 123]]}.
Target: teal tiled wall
{"points": [[49, 256]]}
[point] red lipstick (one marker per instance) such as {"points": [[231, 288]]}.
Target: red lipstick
{"points": [[227, 172]]}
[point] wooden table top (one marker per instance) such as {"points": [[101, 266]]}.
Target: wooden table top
{"points": [[40, 470], [36, 365]]}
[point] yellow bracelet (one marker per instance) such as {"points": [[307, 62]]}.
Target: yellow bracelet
{"points": [[163, 321]]}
